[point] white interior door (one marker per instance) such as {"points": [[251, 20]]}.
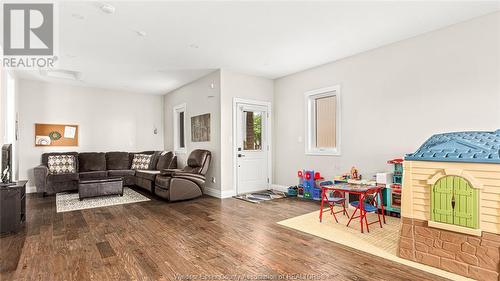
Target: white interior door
{"points": [[252, 147]]}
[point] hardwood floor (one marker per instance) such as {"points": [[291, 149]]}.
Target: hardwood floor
{"points": [[156, 240]]}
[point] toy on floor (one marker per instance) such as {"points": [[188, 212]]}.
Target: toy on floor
{"points": [[309, 182], [300, 192], [293, 191]]}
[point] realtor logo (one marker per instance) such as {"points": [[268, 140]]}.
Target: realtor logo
{"points": [[28, 29]]}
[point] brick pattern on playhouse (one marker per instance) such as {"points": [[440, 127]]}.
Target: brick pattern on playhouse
{"points": [[471, 256]]}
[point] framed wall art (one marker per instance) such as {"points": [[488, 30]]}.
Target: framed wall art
{"points": [[200, 128]]}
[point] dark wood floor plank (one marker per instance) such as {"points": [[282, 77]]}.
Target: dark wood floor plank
{"points": [[156, 240], [105, 249]]}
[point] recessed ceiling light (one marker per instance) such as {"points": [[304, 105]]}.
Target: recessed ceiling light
{"points": [[108, 9], [140, 33], [78, 16]]}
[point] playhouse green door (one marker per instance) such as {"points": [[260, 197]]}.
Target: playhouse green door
{"points": [[465, 201], [454, 201], [441, 197]]}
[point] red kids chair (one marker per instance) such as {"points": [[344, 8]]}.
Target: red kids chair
{"points": [[370, 205], [336, 198]]}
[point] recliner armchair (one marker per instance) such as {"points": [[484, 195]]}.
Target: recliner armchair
{"points": [[186, 183]]}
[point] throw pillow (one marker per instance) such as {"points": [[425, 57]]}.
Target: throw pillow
{"points": [[141, 161], [61, 164]]}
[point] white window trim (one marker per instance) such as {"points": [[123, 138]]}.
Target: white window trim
{"points": [[176, 110], [310, 125]]}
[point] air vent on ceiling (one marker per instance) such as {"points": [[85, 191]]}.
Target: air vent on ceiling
{"points": [[62, 74]]}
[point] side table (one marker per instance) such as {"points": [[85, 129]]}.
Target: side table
{"points": [[12, 206]]}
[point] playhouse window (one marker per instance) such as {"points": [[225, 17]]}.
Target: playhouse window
{"points": [[454, 201], [323, 121]]}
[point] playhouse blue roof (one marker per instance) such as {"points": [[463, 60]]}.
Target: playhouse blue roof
{"points": [[475, 147]]}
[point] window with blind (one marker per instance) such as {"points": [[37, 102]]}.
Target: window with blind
{"points": [[323, 126], [179, 128]]}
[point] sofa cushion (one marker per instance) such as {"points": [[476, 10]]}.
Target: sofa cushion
{"points": [[128, 176], [198, 161], [92, 161], [163, 181], [197, 158], [132, 155], [62, 177], [165, 160], [154, 160], [147, 174], [93, 175], [141, 162], [117, 161], [121, 173], [61, 164], [45, 157]]}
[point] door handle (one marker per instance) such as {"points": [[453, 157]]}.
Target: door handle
{"points": [[240, 155]]}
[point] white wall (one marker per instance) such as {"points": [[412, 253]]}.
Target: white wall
{"points": [[394, 98], [3, 91], [2, 110], [200, 98], [108, 120], [9, 106], [195, 95], [236, 85]]}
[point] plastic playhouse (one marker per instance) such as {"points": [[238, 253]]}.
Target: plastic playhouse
{"points": [[450, 207]]}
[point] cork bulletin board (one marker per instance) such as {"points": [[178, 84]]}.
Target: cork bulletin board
{"points": [[56, 135]]}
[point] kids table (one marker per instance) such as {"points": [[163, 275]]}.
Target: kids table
{"points": [[362, 191]]}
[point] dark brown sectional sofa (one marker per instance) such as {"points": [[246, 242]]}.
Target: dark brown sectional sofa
{"points": [[175, 184], [98, 165]]}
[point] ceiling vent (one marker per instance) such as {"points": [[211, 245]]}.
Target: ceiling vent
{"points": [[62, 74]]}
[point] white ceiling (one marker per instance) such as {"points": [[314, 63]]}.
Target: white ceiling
{"points": [[186, 40]]}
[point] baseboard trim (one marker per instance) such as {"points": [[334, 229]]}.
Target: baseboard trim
{"points": [[215, 192], [30, 189], [228, 193], [279, 187], [211, 192]]}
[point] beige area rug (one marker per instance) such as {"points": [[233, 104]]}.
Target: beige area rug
{"points": [[68, 201], [380, 242]]}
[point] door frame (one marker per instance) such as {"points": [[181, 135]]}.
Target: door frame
{"points": [[268, 105]]}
